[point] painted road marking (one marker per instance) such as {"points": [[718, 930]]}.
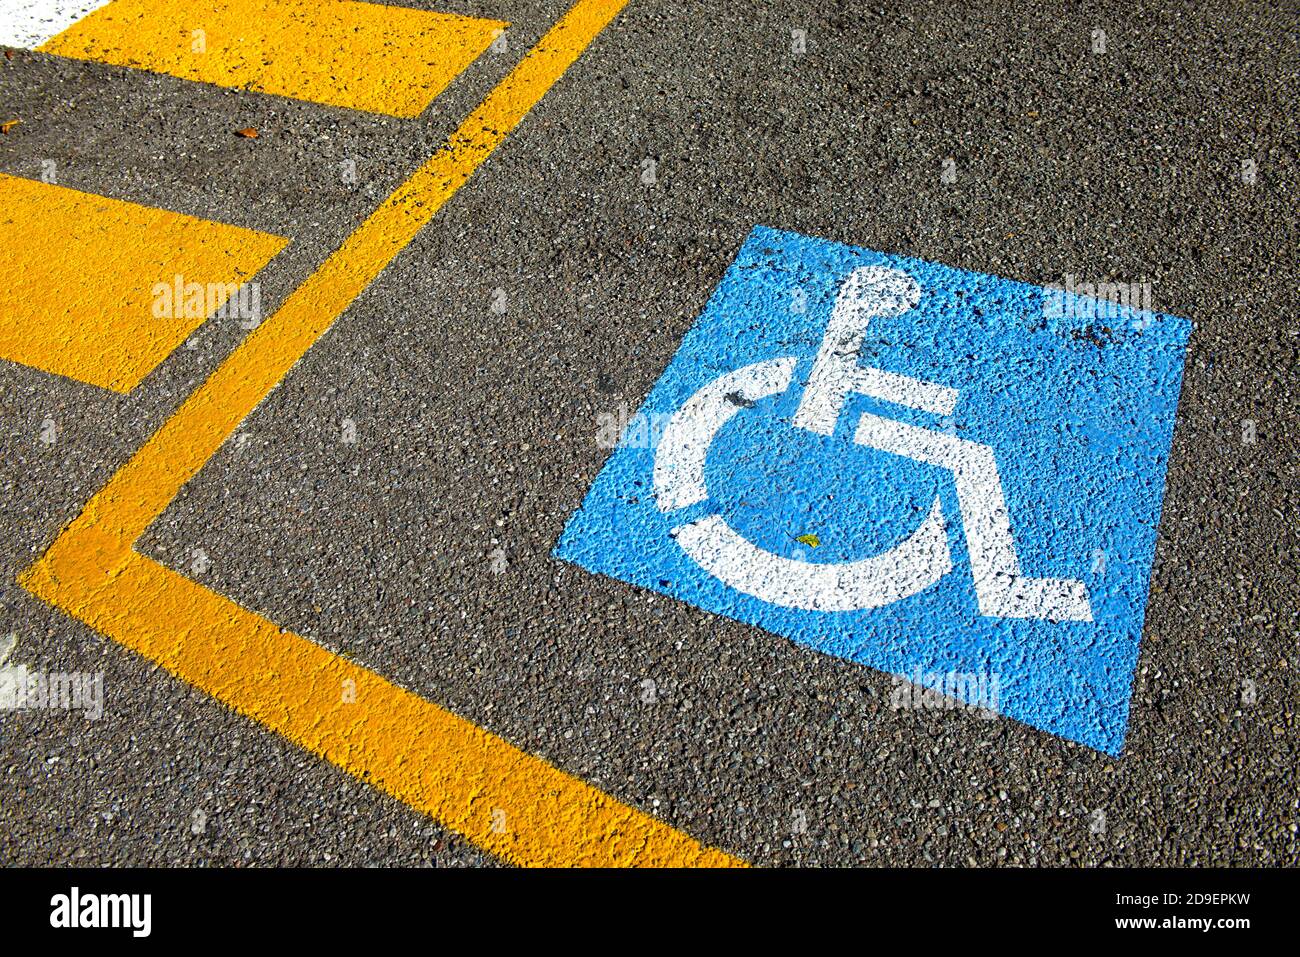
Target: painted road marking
{"points": [[101, 290], [29, 23], [503, 799], [363, 56], [907, 568], [946, 436]]}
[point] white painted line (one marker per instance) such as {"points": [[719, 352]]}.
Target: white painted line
{"points": [[904, 390], [1000, 588], [910, 567], [679, 464], [30, 23], [870, 292]]}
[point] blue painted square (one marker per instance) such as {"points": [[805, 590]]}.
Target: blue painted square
{"points": [[1076, 399]]}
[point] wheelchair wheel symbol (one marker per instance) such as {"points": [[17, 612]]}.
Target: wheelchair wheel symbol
{"points": [[920, 560]]}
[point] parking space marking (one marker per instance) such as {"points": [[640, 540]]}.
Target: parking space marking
{"points": [[102, 290], [363, 56], [505, 800], [978, 463]]}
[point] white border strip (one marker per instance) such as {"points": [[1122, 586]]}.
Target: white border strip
{"points": [[29, 24]]}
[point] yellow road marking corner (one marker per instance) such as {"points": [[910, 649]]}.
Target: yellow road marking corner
{"points": [[505, 800]]}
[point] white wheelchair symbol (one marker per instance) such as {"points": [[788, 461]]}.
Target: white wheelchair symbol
{"points": [[917, 562]]}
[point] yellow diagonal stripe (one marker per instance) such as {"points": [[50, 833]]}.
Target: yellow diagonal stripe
{"points": [[102, 290], [364, 56], [410, 747]]}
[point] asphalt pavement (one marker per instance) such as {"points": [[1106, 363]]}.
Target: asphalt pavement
{"points": [[398, 496]]}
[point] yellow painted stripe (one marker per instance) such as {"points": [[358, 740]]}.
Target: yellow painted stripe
{"points": [[364, 56], [410, 747], [504, 800], [102, 290]]}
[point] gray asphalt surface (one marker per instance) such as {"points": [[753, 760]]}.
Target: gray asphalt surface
{"points": [[477, 430]]}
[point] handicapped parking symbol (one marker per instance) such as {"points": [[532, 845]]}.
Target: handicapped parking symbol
{"points": [[964, 447], [921, 559]]}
